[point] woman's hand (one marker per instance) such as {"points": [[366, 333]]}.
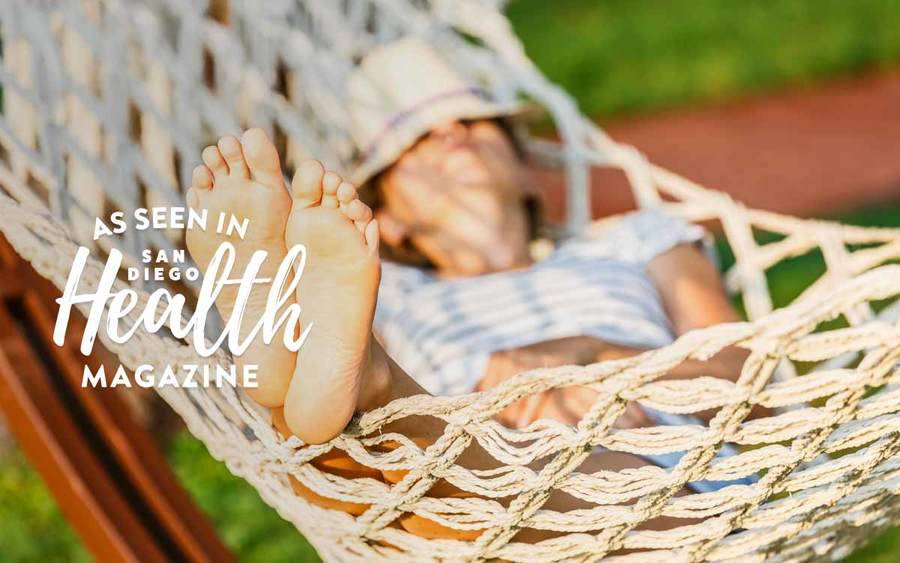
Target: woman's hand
{"points": [[565, 404], [552, 353]]}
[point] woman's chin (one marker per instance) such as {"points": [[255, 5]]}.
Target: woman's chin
{"points": [[498, 260], [478, 259], [464, 264]]}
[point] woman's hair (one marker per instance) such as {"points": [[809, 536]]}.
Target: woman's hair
{"points": [[407, 254]]}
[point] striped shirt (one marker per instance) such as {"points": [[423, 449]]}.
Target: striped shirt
{"points": [[442, 332]]}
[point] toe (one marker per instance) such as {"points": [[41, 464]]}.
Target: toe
{"points": [[214, 161], [307, 183], [192, 198], [357, 211], [346, 192], [330, 184], [372, 239], [262, 158], [202, 178], [362, 225], [230, 148]]}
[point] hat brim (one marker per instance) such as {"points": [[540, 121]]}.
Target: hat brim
{"points": [[397, 140]]}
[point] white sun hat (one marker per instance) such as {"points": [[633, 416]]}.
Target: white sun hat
{"points": [[401, 91]]}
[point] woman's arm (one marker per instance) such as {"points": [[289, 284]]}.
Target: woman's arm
{"points": [[502, 365], [691, 289], [694, 297]]}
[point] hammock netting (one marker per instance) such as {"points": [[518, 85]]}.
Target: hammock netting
{"points": [[106, 106]]}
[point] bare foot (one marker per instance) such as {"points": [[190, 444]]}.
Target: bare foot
{"points": [[243, 178], [339, 365]]}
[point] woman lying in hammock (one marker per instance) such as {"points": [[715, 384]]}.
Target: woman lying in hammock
{"points": [[451, 188]]}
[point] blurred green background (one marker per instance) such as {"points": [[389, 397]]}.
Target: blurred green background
{"points": [[617, 57], [631, 56]]}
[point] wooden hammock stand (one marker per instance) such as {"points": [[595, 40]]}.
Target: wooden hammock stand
{"points": [[105, 471]]}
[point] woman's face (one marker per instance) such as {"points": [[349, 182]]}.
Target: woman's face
{"points": [[458, 196]]}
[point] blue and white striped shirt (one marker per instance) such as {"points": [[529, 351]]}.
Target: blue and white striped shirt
{"points": [[442, 332]]}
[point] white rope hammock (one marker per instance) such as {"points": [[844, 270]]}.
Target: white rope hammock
{"points": [[106, 107]]}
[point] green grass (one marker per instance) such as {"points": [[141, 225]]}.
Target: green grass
{"points": [[247, 525], [885, 548], [638, 55], [32, 528]]}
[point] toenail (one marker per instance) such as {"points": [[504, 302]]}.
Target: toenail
{"points": [[312, 164], [203, 176], [211, 153], [254, 132], [229, 145]]}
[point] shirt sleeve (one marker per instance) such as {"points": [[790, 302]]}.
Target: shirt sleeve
{"points": [[641, 236], [398, 283]]}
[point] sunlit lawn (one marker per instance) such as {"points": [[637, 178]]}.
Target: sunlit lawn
{"points": [[628, 56], [615, 56]]}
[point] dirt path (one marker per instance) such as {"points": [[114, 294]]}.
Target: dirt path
{"points": [[808, 152]]}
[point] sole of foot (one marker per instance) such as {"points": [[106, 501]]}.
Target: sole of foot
{"points": [[243, 178], [337, 294]]}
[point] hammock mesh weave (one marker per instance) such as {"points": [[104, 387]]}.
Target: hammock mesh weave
{"points": [[106, 106]]}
